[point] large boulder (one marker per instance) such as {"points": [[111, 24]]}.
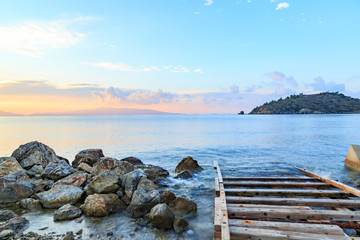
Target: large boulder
{"points": [[161, 216], [57, 170], [60, 195], [152, 171], [88, 156], [6, 215], [14, 187], [180, 225], [188, 164], [9, 165], [167, 196], [67, 212], [130, 181], [77, 179], [107, 164], [105, 183], [182, 205], [133, 160], [101, 205], [16, 224], [142, 202], [30, 204], [183, 175], [146, 184], [34, 153], [85, 167]]}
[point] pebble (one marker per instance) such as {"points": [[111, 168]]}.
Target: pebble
{"points": [[109, 234], [79, 232], [132, 234], [79, 220]]}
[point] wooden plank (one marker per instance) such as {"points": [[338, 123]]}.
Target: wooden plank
{"points": [[342, 186], [303, 178], [279, 184], [267, 206], [297, 192], [217, 218], [217, 187], [313, 202], [265, 234], [294, 214], [225, 232], [289, 226]]}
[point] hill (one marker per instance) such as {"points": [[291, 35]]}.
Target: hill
{"points": [[7, 114], [104, 111], [325, 103]]}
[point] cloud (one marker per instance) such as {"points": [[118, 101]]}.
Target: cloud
{"points": [[282, 6], [33, 38], [321, 86], [281, 77], [208, 2]]}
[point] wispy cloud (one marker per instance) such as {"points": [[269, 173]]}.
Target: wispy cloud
{"points": [[319, 85], [34, 37], [282, 6], [208, 2]]}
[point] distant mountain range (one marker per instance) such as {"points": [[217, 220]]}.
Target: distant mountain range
{"points": [[97, 111], [325, 103]]}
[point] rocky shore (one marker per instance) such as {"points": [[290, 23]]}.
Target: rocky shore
{"points": [[34, 178]]}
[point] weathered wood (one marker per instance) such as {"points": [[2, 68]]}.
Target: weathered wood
{"points": [[303, 178], [314, 202], [225, 232], [297, 192], [217, 187], [342, 186], [279, 184], [295, 214], [289, 226], [265, 234], [267, 206], [217, 217]]}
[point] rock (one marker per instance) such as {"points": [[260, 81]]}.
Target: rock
{"points": [[68, 236], [350, 232], [36, 171], [180, 225], [105, 183], [57, 170], [34, 153], [126, 200], [133, 160], [88, 156], [88, 190], [130, 182], [101, 205], [146, 184], [183, 175], [85, 167], [188, 164], [30, 204], [142, 202], [9, 165], [162, 182], [14, 187], [183, 206], [6, 234], [41, 184], [167, 196], [161, 216], [79, 232], [152, 171], [113, 165], [6, 215], [67, 212], [77, 179], [120, 193], [60, 195], [16, 224]]}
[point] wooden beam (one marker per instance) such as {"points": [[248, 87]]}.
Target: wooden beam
{"points": [[279, 184], [289, 226], [267, 206], [217, 218], [313, 202], [304, 178], [295, 214], [217, 187], [337, 184], [297, 192]]}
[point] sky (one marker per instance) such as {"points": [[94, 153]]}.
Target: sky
{"points": [[179, 56]]}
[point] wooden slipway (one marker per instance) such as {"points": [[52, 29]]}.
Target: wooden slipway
{"points": [[302, 206]]}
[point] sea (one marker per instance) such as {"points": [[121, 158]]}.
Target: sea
{"points": [[242, 145]]}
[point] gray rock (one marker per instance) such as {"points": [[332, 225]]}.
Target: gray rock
{"points": [[14, 187], [183, 175], [167, 196], [34, 153], [6, 234], [77, 179], [146, 184], [42, 185], [142, 202], [152, 171], [57, 170], [101, 205], [188, 164], [6, 215], [36, 171], [16, 224], [60, 195], [67, 212], [9, 165], [130, 182], [105, 183], [133, 160], [113, 165], [180, 225], [88, 190], [30, 204], [183, 206], [68, 236], [161, 216], [88, 156], [85, 167]]}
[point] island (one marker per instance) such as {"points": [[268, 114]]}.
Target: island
{"points": [[320, 103]]}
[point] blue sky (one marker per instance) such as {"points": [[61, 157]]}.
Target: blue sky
{"points": [[190, 56]]}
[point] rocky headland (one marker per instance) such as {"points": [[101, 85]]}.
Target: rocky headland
{"points": [[34, 178]]}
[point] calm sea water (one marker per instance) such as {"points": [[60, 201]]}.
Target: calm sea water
{"points": [[252, 144]]}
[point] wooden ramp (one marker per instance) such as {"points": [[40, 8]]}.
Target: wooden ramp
{"points": [[302, 207]]}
